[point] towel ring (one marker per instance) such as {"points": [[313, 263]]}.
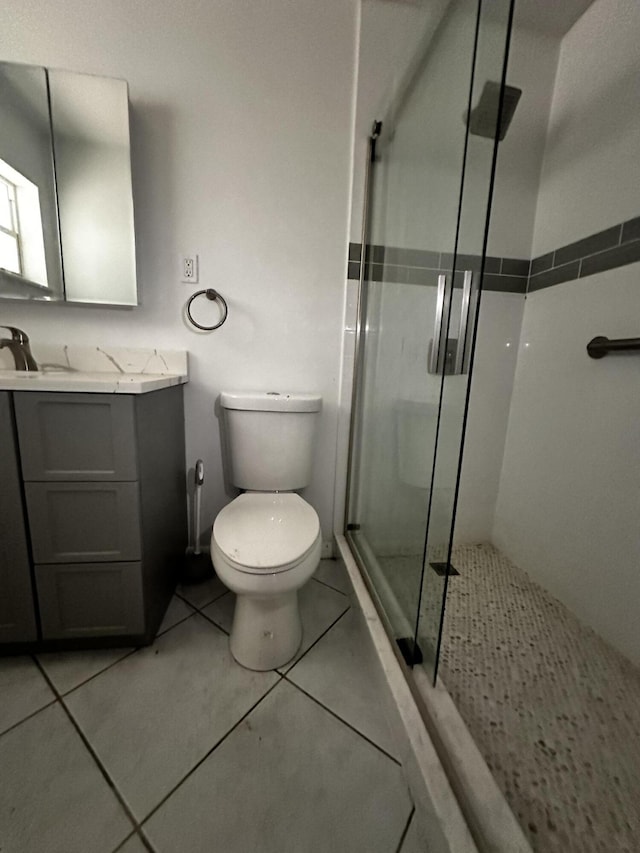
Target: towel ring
{"points": [[213, 296]]}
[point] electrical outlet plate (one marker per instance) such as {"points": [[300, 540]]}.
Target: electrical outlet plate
{"points": [[189, 268]]}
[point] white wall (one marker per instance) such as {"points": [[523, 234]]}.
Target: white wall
{"points": [[590, 174], [569, 499], [241, 129]]}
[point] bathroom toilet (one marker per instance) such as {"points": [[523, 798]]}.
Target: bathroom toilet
{"points": [[266, 543]]}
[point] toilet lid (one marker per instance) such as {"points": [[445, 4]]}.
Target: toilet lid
{"points": [[266, 530]]}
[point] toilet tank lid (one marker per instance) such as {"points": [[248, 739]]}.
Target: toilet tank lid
{"points": [[270, 401]]}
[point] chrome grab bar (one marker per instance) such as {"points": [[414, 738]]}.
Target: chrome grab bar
{"points": [[600, 346]]}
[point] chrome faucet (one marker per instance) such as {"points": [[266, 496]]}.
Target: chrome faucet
{"points": [[20, 349]]}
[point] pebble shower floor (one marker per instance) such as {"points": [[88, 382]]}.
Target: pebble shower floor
{"points": [[553, 708]]}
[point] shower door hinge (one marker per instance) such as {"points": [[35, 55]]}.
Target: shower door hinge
{"points": [[353, 527]]}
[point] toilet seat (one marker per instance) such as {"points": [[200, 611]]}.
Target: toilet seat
{"points": [[266, 532]]}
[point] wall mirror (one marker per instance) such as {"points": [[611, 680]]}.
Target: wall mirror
{"points": [[66, 207]]}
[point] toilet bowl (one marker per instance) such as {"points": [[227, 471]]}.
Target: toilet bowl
{"points": [[264, 547]]}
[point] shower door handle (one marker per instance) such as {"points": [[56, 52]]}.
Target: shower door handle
{"points": [[438, 346], [468, 310]]}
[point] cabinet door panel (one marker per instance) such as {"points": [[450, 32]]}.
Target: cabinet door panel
{"points": [[76, 436], [17, 618], [90, 600], [83, 522]]}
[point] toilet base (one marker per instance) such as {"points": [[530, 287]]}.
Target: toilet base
{"points": [[267, 631]]}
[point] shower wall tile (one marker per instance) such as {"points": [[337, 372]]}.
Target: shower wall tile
{"points": [[628, 253], [412, 257], [588, 246], [422, 276], [505, 283], [613, 247], [515, 266], [355, 250], [423, 266], [568, 498], [492, 264], [544, 262], [631, 230], [607, 249], [557, 275]]}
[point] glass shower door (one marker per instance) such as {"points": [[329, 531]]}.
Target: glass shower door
{"points": [[426, 222]]}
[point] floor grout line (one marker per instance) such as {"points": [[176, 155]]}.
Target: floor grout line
{"points": [[137, 833], [213, 622], [103, 770], [342, 720], [96, 674], [175, 625], [329, 586], [28, 717], [201, 607], [315, 642], [406, 830], [212, 750], [124, 656]]}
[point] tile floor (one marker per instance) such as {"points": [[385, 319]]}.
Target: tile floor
{"points": [[174, 747]]}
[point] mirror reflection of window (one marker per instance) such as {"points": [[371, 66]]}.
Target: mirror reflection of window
{"points": [[30, 266], [22, 250], [9, 234]]}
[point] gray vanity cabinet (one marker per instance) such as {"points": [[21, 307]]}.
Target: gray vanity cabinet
{"points": [[103, 479], [17, 614]]}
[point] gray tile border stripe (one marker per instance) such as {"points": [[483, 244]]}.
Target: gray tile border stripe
{"points": [[588, 246], [515, 266], [567, 272], [627, 253], [631, 230], [613, 247], [493, 264], [422, 267], [544, 262], [353, 270], [505, 283]]}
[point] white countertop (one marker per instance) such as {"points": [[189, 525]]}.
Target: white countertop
{"points": [[97, 369], [97, 382]]}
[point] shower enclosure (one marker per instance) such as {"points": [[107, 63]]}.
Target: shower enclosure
{"points": [[428, 197]]}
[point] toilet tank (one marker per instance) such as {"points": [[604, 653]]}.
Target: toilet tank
{"points": [[270, 438]]}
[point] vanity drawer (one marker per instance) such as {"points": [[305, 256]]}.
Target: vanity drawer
{"points": [[83, 522], [86, 600], [76, 436]]}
